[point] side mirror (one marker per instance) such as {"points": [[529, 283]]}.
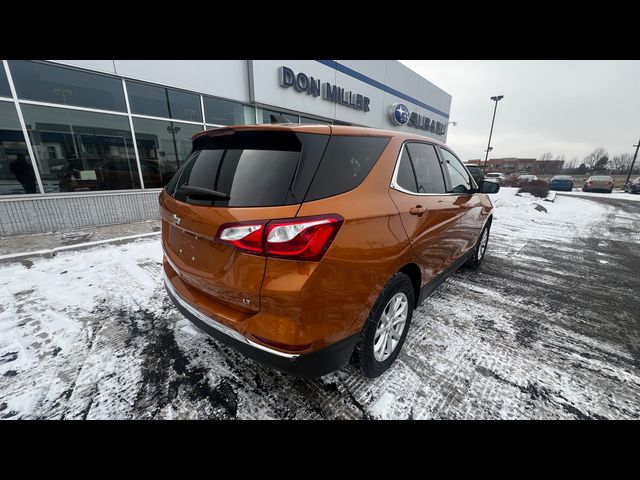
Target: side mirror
{"points": [[488, 187]]}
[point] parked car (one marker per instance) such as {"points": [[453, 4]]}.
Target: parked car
{"points": [[598, 183], [499, 178], [522, 179], [304, 246], [476, 172], [562, 183], [633, 186]]}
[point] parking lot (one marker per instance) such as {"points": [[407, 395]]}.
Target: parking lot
{"points": [[548, 328]]}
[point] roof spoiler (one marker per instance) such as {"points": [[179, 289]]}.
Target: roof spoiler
{"points": [[279, 119]]}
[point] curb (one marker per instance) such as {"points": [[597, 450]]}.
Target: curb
{"points": [[52, 252]]}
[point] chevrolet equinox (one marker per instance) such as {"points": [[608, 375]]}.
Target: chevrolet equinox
{"points": [[305, 246]]}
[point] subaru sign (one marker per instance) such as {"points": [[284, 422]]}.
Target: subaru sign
{"points": [[400, 115]]}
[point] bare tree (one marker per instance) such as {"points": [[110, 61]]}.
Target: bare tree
{"points": [[546, 156], [592, 159], [620, 163], [570, 165]]}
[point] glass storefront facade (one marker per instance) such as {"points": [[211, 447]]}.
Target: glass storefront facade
{"points": [[80, 151], [16, 170], [4, 84], [162, 146], [93, 132]]}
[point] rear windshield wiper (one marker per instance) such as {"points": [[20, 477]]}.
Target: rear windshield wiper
{"points": [[202, 192]]}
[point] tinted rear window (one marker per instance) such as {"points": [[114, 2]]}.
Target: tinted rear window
{"points": [[255, 169], [345, 164]]}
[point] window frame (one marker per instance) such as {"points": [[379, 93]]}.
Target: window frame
{"points": [[73, 68], [394, 178]]}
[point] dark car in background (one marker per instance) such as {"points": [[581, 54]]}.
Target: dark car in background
{"points": [[633, 186], [562, 183], [475, 171], [598, 183]]}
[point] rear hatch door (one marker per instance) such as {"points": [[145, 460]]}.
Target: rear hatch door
{"points": [[261, 175]]}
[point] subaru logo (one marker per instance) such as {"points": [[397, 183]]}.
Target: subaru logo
{"points": [[399, 114]]}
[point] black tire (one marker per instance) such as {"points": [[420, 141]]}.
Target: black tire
{"points": [[363, 355], [477, 255]]}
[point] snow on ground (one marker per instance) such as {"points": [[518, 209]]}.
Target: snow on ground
{"points": [[544, 329], [616, 194]]}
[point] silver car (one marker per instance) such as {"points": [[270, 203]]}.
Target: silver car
{"points": [[496, 177], [598, 183]]}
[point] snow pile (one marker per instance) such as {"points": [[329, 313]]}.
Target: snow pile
{"points": [[523, 217]]}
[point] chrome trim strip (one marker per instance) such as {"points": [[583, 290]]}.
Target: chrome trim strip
{"points": [[219, 326]]}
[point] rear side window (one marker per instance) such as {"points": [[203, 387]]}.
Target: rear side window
{"points": [[406, 177], [254, 169], [427, 168], [345, 164]]}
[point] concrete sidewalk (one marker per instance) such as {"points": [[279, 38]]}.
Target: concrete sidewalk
{"points": [[48, 244]]}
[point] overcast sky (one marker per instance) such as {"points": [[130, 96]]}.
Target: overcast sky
{"points": [[565, 107]]}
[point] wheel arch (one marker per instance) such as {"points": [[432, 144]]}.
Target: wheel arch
{"points": [[488, 221], [412, 271]]}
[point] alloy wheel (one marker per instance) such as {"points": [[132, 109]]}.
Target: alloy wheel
{"points": [[390, 326], [483, 244]]}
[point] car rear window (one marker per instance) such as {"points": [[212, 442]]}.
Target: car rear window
{"points": [[345, 164], [252, 168], [600, 177], [561, 177]]}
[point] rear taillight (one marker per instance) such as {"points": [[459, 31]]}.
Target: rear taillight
{"points": [[244, 236], [305, 238]]}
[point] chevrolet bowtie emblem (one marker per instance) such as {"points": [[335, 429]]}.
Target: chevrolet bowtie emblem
{"points": [[176, 219]]}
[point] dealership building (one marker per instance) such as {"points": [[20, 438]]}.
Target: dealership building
{"points": [[92, 142]]}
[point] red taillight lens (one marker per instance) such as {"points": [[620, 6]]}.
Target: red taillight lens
{"points": [[304, 238], [246, 236]]}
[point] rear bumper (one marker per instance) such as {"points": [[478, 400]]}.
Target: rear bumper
{"points": [[307, 365]]}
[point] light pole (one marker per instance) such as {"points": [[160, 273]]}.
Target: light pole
{"points": [[632, 162], [67, 93], [496, 99], [172, 129]]}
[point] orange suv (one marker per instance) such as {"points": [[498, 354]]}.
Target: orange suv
{"points": [[305, 246]]}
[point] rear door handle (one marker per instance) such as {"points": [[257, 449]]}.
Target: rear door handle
{"points": [[418, 210]]}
